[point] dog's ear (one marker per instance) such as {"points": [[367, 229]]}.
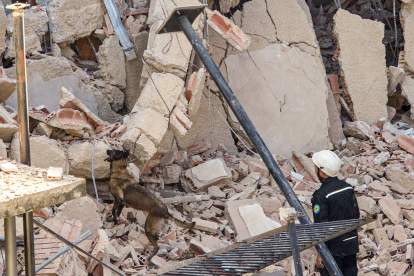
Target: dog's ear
{"points": [[126, 154], [108, 152]]}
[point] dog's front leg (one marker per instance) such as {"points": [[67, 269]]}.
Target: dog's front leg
{"points": [[115, 213], [119, 210]]}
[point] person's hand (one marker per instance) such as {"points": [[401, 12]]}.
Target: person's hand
{"points": [[319, 263]]}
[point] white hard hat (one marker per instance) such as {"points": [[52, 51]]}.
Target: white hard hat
{"points": [[327, 161]]}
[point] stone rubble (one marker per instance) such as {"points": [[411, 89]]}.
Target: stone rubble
{"points": [[309, 76]]}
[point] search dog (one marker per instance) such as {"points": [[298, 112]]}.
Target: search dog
{"points": [[131, 194]]}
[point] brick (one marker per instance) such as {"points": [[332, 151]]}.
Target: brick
{"points": [[406, 143], [228, 30]]}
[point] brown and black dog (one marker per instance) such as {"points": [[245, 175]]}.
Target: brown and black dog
{"points": [[131, 194]]}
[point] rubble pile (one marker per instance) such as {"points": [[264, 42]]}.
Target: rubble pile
{"points": [[86, 96]]}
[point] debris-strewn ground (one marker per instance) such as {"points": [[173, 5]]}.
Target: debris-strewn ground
{"points": [[85, 97]]}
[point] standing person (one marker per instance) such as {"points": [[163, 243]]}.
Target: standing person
{"points": [[335, 200]]}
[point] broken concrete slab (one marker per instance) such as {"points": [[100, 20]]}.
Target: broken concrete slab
{"points": [[34, 18], [391, 209], [199, 178], [151, 122], [368, 205], [363, 69], [228, 30], [407, 88], [3, 150], [407, 22], [80, 156], [44, 153], [112, 62], [293, 21], [176, 59], [256, 221], [32, 44], [3, 26], [159, 9], [236, 221], [395, 77], [406, 143], [7, 86], [133, 69], [7, 131], [161, 93], [398, 176], [71, 20], [85, 210], [269, 107]]}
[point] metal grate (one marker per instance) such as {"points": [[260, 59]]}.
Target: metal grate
{"points": [[261, 251]]}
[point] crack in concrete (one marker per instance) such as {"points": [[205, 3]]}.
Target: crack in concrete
{"points": [[271, 18]]}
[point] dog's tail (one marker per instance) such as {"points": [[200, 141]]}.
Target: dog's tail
{"points": [[182, 223]]}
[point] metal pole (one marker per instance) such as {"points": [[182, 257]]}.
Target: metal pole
{"points": [[254, 136], [64, 250], [295, 247], [21, 87], [11, 248]]}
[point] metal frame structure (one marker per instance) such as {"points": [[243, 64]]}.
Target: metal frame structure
{"points": [[263, 250], [181, 16], [21, 87]]}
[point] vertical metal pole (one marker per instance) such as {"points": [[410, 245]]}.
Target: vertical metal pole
{"points": [[10, 244], [295, 247], [254, 136], [21, 83]]}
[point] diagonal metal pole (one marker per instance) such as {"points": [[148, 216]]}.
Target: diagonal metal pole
{"points": [[21, 83], [254, 136]]}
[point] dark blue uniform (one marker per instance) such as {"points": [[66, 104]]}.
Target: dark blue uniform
{"points": [[335, 200]]}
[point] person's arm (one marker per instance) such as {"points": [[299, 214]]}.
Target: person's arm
{"points": [[320, 214], [320, 209]]}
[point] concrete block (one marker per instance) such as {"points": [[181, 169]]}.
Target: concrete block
{"points": [[256, 221], [151, 122], [80, 156], [112, 62], [161, 93], [236, 221], [363, 68], [71, 20], [391, 209], [311, 120], [212, 172]]}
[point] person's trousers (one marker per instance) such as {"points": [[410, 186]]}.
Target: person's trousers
{"points": [[347, 264]]}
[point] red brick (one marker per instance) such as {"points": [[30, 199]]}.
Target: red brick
{"points": [[406, 143]]}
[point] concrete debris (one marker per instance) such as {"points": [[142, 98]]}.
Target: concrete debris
{"points": [[163, 109], [32, 44], [199, 178], [407, 22], [112, 62], [363, 69], [173, 59], [71, 20], [160, 93], [256, 221], [7, 85]]}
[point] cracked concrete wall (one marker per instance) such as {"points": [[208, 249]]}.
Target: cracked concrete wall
{"points": [[407, 21], [283, 30], [363, 66]]}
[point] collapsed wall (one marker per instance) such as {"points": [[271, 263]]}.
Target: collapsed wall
{"points": [[280, 80], [363, 68]]}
